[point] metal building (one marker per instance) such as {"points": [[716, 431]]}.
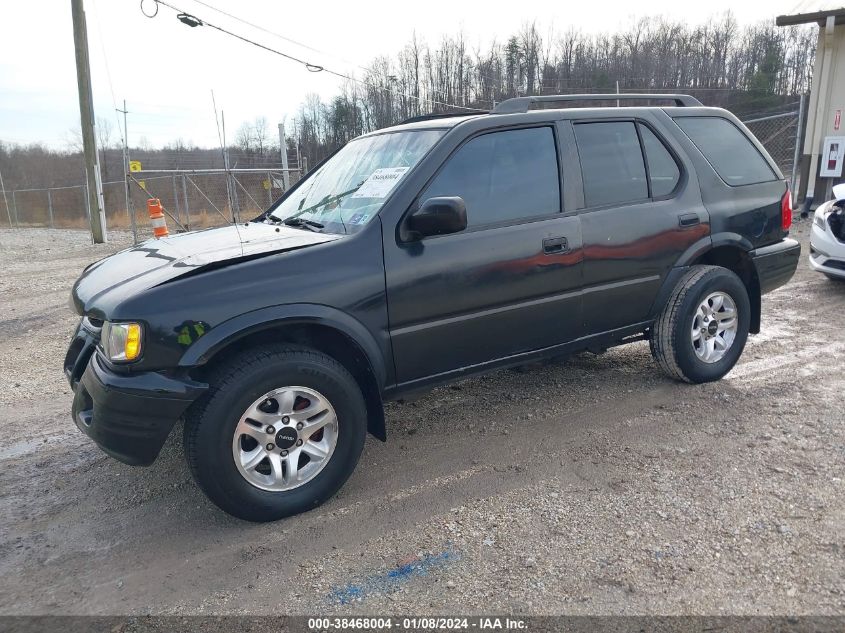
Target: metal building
{"points": [[824, 139]]}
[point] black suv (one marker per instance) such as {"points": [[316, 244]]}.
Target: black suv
{"points": [[418, 255]]}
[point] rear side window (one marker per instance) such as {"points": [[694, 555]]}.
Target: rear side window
{"points": [[503, 176], [612, 164], [727, 149], [663, 172]]}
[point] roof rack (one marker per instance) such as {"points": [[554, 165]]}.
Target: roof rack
{"points": [[523, 104], [443, 115]]}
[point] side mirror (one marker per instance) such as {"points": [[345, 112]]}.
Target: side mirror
{"points": [[438, 216]]}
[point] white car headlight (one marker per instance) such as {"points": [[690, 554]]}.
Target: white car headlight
{"points": [[820, 215], [122, 341]]}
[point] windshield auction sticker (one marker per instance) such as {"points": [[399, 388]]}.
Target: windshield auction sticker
{"points": [[380, 182]]}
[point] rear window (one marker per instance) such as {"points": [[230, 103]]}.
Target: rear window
{"points": [[727, 149], [663, 172]]}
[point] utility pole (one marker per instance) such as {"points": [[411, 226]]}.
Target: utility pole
{"points": [[129, 207], [6, 200], [283, 149], [230, 184], [86, 115]]}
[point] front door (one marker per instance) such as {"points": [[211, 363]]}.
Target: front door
{"points": [[509, 283]]}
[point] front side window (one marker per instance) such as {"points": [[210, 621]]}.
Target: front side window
{"points": [[727, 149], [612, 166], [503, 176], [349, 189]]}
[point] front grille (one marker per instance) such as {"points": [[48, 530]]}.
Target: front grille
{"points": [[92, 325], [80, 350]]}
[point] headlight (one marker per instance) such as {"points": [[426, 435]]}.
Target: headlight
{"points": [[122, 341]]}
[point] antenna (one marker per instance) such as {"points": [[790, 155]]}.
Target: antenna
{"points": [[221, 137]]}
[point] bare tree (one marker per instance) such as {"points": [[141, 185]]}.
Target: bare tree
{"points": [[104, 133], [718, 61], [245, 138], [261, 135], [745, 68]]}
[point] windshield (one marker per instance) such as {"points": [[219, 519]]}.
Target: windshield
{"points": [[348, 190]]}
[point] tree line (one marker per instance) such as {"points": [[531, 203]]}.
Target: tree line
{"points": [[748, 69]]}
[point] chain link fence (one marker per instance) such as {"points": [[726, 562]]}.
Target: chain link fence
{"points": [[193, 200], [780, 135], [57, 207], [197, 199]]}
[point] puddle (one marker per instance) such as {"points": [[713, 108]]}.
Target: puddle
{"points": [[18, 449]]}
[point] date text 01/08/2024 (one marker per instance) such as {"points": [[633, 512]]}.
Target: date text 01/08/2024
{"points": [[416, 623]]}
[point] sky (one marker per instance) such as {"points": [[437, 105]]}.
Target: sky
{"points": [[166, 71]]}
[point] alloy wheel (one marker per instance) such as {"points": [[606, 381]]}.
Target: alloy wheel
{"points": [[285, 438], [714, 327]]}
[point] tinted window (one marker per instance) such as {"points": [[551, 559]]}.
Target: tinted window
{"points": [[731, 153], [503, 176], [611, 163], [663, 172]]}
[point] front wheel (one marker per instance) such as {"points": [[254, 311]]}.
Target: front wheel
{"points": [[279, 433], [702, 330]]}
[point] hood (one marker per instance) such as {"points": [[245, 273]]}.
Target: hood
{"points": [[154, 262]]}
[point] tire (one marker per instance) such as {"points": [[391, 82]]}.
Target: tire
{"points": [[212, 447], [672, 337]]}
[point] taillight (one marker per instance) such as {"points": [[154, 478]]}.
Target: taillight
{"points": [[786, 210]]}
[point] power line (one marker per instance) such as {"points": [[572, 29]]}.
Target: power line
{"points": [[194, 21], [279, 35], [295, 42], [108, 71]]}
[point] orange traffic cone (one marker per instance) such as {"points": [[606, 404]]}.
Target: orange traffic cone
{"points": [[157, 218]]}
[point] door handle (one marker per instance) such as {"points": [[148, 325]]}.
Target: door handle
{"points": [[555, 245], [688, 219]]}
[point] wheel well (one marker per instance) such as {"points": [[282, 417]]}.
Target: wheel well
{"points": [[323, 338], [738, 261]]}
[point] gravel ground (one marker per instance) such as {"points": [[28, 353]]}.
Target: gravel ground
{"points": [[590, 486]]}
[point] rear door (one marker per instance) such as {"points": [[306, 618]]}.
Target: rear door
{"points": [[507, 284], [641, 211]]}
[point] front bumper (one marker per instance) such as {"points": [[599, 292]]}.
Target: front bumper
{"points": [[776, 263], [130, 415], [827, 254]]}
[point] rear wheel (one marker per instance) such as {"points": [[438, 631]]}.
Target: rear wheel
{"points": [[702, 330], [279, 433]]}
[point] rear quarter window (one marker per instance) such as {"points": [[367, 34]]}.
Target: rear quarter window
{"points": [[727, 149]]}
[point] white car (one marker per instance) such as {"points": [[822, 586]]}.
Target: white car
{"points": [[827, 237]]}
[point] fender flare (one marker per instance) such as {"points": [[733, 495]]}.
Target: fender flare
{"points": [[709, 242], [693, 253], [732, 239], [243, 325]]}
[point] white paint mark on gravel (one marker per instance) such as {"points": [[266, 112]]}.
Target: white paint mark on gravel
{"points": [[760, 369]]}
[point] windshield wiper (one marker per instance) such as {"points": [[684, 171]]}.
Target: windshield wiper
{"points": [[297, 221]]}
